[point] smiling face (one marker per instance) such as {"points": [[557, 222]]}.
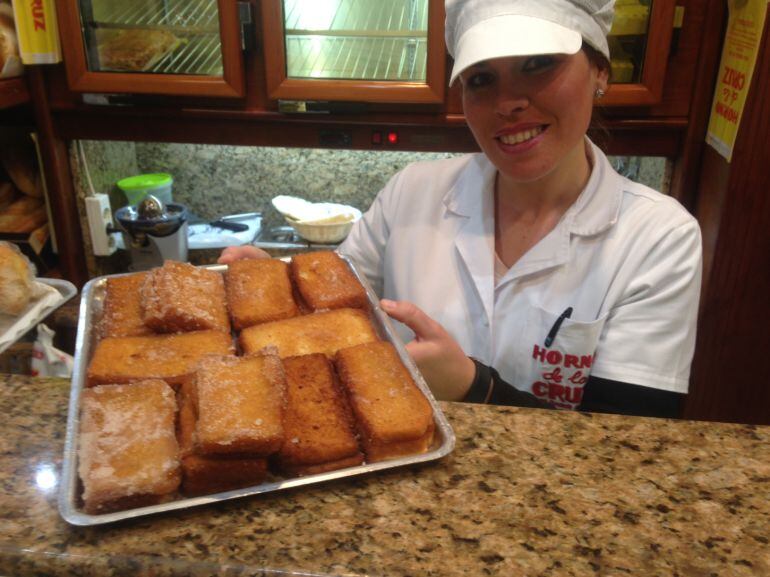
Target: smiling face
{"points": [[530, 114]]}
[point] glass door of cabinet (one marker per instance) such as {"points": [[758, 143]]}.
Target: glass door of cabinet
{"points": [[153, 46], [639, 42], [355, 50]]}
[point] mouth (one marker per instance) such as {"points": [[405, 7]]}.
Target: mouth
{"points": [[521, 136]]}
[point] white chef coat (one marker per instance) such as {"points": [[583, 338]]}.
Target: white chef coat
{"points": [[624, 257]]}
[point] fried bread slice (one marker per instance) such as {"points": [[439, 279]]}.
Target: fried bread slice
{"points": [[320, 332], [172, 358], [326, 282], [393, 416], [318, 423], [203, 475], [258, 291], [179, 297], [128, 455], [240, 404], [122, 309]]}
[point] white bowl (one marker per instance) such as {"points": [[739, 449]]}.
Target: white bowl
{"points": [[323, 232]]}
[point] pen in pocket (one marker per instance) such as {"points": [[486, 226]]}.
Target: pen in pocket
{"points": [[556, 326]]}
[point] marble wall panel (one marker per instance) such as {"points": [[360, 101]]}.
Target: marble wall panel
{"points": [[218, 180]]}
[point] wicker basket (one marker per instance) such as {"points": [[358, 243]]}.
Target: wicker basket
{"points": [[326, 233]]}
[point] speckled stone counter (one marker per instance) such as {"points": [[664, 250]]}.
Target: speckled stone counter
{"points": [[526, 492]]}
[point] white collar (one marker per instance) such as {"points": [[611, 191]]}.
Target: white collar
{"points": [[476, 179], [596, 209], [598, 206]]}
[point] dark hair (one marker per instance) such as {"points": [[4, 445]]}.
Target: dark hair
{"points": [[597, 58]]}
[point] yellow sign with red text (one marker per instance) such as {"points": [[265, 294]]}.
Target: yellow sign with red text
{"points": [[38, 31], [739, 55]]}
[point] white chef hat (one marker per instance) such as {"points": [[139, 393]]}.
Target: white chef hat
{"points": [[479, 30]]}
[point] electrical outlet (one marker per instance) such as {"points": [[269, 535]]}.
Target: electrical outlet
{"points": [[99, 221]]}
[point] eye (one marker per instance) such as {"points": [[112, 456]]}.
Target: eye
{"points": [[479, 79], [538, 63]]}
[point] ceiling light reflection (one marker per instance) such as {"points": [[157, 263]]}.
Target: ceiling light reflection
{"points": [[314, 15], [45, 477]]}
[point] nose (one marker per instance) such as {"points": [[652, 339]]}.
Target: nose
{"points": [[509, 102]]}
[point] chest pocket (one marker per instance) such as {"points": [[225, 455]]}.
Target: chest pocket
{"points": [[556, 372]]}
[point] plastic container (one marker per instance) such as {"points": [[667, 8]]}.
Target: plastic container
{"points": [[157, 184]]}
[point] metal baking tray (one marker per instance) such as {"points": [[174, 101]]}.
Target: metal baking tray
{"points": [[69, 494]]}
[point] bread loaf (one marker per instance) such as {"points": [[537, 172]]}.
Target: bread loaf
{"points": [[20, 163], [10, 63], [394, 417], [128, 455], [16, 277], [179, 297], [8, 194], [23, 215]]}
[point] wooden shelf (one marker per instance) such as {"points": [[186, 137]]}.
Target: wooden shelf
{"points": [[13, 91]]}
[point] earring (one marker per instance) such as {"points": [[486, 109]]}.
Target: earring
{"points": [[599, 93]]}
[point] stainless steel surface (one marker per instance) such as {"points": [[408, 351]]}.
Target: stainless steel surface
{"points": [[285, 238], [196, 23], [151, 207], [242, 216], [90, 312], [359, 39]]}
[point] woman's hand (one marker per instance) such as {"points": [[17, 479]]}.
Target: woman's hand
{"points": [[446, 368], [233, 253]]}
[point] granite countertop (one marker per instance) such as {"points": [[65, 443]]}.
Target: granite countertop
{"points": [[526, 492]]}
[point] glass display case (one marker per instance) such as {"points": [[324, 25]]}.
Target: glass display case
{"points": [[110, 44], [628, 40], [365, 50], [356, 40], [157, 36], [639, 44]]}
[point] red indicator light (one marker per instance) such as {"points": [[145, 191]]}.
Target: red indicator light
{"points": [[376, 137], [392, 137]]}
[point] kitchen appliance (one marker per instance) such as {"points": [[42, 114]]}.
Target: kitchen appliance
{"points": [[154, 232], [157, 184]]}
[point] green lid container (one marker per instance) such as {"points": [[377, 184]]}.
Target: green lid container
{"points": [[137, 187]]}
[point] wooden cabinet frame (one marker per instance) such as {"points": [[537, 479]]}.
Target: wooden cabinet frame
{"points": [[81, 79], [650, 89], [648, 92], [279, 87]]}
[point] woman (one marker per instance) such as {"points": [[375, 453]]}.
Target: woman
{"points": [[533, 273]]}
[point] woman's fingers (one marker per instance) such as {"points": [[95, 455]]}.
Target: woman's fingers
{"points": [[233, 253], [446, 368], [423, 327]]}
